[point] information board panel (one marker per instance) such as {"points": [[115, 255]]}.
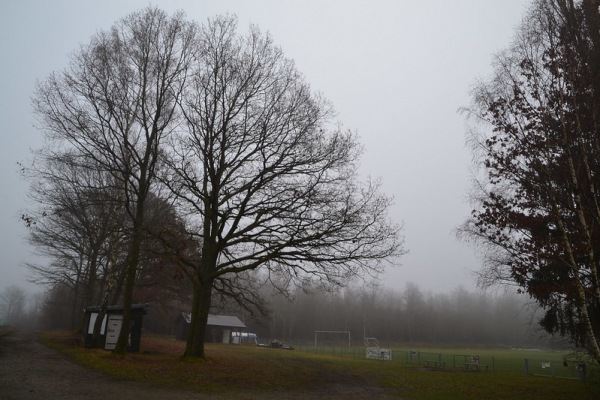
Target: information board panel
{"points": [[112, 331]]}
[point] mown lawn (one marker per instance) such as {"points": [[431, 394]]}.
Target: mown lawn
{"points": [[233, 369]]}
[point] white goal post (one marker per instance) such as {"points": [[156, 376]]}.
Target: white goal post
{"points": [[324, 333]]}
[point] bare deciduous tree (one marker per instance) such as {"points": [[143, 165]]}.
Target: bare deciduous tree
{"points": [[262, 177], [71, 225], [115, 105], [265, 177], [12, 304]]}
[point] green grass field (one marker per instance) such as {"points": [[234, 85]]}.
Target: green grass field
{"points": [[539, 362], [232, 369]]}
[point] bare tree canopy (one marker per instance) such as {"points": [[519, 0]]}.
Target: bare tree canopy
{"points": [[537, 214], [264, 180], [115, 105], [72, 225], [267, 179]]}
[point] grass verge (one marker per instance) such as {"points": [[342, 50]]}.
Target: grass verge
{"points": [[236, 369]]}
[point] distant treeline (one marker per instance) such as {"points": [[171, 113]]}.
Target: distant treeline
{"points": [[405, 316]]}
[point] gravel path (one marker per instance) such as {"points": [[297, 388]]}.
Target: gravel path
{"points": [[31, 371]]}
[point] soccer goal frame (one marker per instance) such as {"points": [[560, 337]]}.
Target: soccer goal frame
{"points": [[330, 332]]}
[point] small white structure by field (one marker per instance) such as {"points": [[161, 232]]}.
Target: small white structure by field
{"points": [[374, 352]]}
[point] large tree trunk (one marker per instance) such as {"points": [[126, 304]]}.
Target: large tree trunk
{"points": [[133, 258], [200, 310], [132, 264], [76, 293], [90, 295]]}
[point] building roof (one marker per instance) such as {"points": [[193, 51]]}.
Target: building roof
{"points": [[225, 320], [95, 309], [229, 321]]}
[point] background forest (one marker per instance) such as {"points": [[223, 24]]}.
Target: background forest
{"points": [[407, 315]]}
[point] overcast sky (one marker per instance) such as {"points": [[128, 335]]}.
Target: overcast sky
{"points": [[396, 72]]}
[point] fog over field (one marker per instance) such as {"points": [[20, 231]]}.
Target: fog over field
{"points": [[395, 71]]}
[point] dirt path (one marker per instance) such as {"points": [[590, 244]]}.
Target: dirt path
{"points": [[31, 371]]}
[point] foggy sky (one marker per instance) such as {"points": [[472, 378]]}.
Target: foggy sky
{"points": [[396, 72]]}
